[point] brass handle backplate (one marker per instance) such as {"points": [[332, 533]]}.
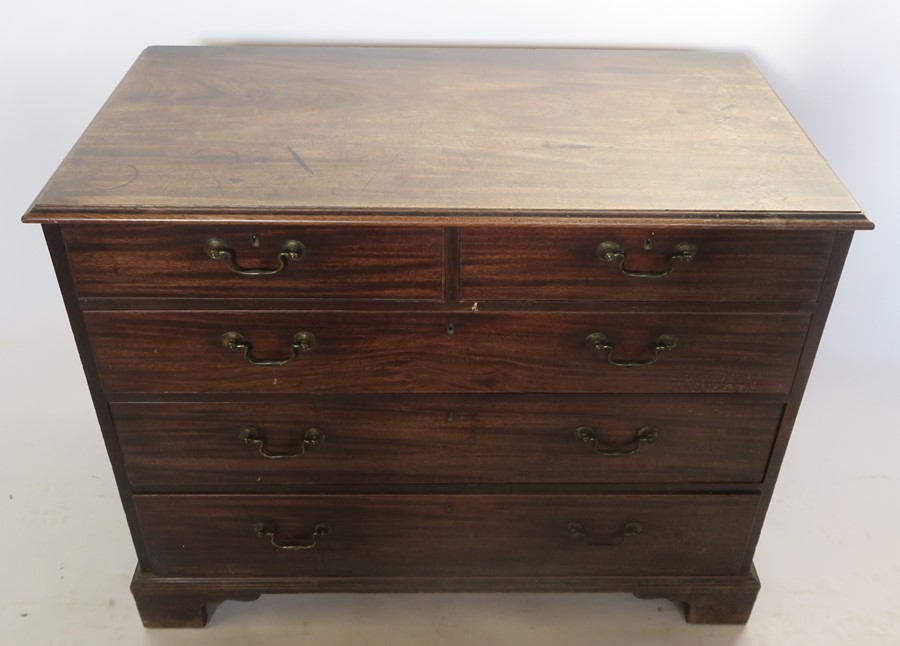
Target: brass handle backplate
{"points": [[269, 529], [579, 533], [251, 436], [613, 252], [645, 435], [218, 249], [235, 341], [599, 342]]}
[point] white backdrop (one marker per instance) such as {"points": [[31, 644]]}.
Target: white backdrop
{"points": [[835, 63]]}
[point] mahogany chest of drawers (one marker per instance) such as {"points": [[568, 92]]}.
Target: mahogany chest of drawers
{"points": [[400, 319]]}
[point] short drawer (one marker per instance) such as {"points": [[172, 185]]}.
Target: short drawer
{"points": [[444, 535], [640, 265], [246, 261], [447, 439], [329, 352]]}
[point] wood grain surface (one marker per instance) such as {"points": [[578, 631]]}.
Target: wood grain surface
{"points": [[378, 439], [143, 260], [430, 130], [564, 263], [450, 203], [171, 352], [445, 535]]}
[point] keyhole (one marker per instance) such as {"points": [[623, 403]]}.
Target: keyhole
{"points": [[254, 242], [451, 329], [648, 243]]}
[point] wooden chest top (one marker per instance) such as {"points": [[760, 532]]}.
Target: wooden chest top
{"points": [[448, 135]]}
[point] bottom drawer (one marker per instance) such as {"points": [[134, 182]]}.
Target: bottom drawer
{"points": [[445, 535]]}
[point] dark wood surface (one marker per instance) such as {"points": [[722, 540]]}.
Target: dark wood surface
{"points": [[188, 602], [441, 535], [563, 263], [142, 260], [450, 203], [422, 130], [448, 439], [810, 347], [413, 352], [57, 251]]}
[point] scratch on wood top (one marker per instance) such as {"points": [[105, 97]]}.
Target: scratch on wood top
{"points": [[299, 160]]}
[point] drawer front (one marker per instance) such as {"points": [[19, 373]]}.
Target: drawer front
{"points": [[140, 260], [447, 439], [551, 264], [161, 351], [444, 535]]}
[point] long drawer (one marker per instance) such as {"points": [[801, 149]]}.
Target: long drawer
{"points": [[581, 263], [247, 261], [235, 352], [447, 439], [444, 535]]}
